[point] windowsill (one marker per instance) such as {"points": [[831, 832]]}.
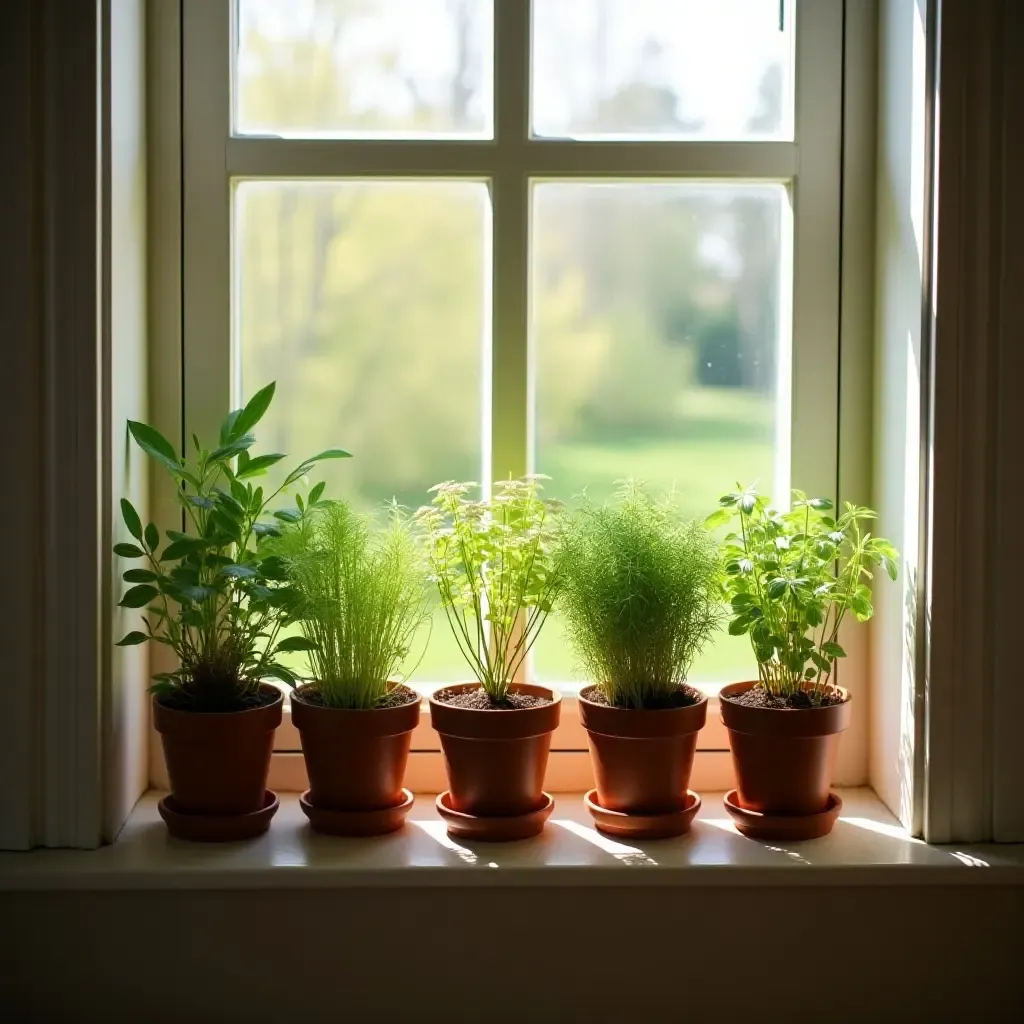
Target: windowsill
{"points": [[867, 847]]}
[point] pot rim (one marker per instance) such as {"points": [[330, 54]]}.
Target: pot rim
{"points": [[795, 722], [335, 724], [641, 723], [497, 723], [170, 720]]}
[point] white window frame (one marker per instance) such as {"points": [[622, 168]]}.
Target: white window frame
{"points": [[810, 166]]}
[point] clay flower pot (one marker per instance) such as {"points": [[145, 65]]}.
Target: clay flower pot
{"points": [[643, 759], [356, 763], [218, 765], [495, 760], [784, 758]]}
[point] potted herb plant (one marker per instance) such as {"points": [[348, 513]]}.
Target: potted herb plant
{"points": [[219, 599], [493, 562], [361, 597], [640, 597], [791, 578]]}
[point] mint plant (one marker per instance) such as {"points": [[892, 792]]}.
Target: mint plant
{"points": [[791, 577], [217, 595], [494, 566]]}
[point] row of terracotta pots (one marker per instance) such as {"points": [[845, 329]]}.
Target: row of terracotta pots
{"points": [[495, 763]]}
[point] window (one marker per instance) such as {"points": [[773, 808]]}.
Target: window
{"points": [[587, 238]]}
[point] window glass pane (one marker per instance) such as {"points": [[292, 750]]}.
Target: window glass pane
{"points": [[364, 68], [368, 303], [656, 353], [705, 69]]}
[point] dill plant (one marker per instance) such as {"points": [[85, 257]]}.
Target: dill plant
{"points": [[640, 595], [493, 563], [362, 597]]}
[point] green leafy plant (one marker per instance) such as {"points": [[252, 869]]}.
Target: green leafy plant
{"points": [[640, 595], [493, 563], [791, 577], [361, 598], [216, 595]]}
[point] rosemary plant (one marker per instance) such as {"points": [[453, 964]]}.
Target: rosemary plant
{"points": [[640, 595], [791, 578], [362, 597], [493, 563], [216, 595]]}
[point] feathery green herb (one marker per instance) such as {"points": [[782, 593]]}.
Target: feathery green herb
{"points": [[362, 597], [640, 595]]}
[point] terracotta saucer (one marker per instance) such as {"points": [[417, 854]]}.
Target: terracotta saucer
{"points": [[496, 829], [783, 826], [210, 828], [357, 823], [643, 826]]}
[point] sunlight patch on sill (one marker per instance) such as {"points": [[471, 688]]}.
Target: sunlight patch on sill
{"points": [[620, 851]]}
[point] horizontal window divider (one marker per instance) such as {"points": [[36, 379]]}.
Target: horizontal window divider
{"points": [[257, 157]]}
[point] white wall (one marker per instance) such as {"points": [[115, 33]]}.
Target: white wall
{"points": [[126, 703], [900, 240]]}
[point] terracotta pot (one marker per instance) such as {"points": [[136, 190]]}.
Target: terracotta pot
{"points": [[218, 762], [642, 759], [496, 760], [355, 759], [783, 758]]}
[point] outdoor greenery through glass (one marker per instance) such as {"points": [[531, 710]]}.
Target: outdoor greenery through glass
{"points": [[494, 566], [362, 595], [217, 595], [791, 577], [640, 595]]}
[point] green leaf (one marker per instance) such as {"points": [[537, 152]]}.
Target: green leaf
{"points": [[253, 412], [717, 518], [833, 650], [228, 426], [182, 548], [152, 537], [155, 445], [128, 551], [232, 448], [266, 529], [314, 494], [199, 500], [258, 465], [131, 519], [131, 639], [288, 515], [139, 576], [330, 453], [777, 588], [739, 626], [296, 643], [239, 571], [138, 596], [820, 504], [280, 672]]}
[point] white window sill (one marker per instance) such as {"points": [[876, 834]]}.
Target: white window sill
{"points": [[867, 847]]}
